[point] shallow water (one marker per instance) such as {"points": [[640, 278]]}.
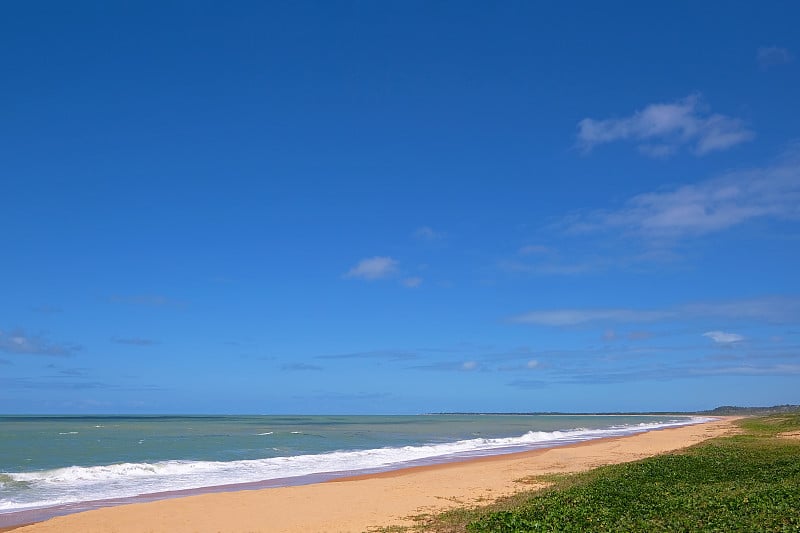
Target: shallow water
{"points": [[59, 462]]}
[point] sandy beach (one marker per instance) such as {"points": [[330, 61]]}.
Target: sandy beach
{"points": [[360, 503]]}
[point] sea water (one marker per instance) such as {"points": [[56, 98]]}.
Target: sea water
{"points": [[58, 462]]}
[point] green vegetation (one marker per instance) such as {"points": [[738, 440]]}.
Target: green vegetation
{"points": [[747, 482], [727, 410]]}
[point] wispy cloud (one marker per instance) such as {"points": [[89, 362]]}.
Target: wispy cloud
{"points": [[530, 384], [412, 282], [721, 337], [551, 266], [662, 129], [535, 249], [684, 358], [451, 366], [65, 382], [546, 260], [523, 366], [597, 374], [427, 233], [19, 342], [655, 228], [373, 268], [300, 367], [705, 207], [762, 310], [134, 341], [572, 317], [357, 397], [147, 300], [391, 355], [750, 370], [47, 309], [74, 372], [38, 384], [772, 56], [773, 309]]}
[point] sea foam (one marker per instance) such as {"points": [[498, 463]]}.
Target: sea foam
{"points": [[58, 486]]}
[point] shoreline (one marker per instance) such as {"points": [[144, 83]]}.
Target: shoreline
{"points": [[40, 514], [358, 502]]}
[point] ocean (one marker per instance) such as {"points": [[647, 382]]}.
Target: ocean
{"points": [[53, 465]]}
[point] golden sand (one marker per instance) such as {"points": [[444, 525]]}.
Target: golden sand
{"points": [[360, 503]]}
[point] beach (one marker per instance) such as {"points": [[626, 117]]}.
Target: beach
{"points": [[361, 503]]}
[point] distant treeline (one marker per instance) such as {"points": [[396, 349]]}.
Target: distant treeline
{"points": [[734, 410], [723, 410]]}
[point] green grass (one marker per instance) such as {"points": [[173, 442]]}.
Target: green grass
{"points": [[747, 482]]}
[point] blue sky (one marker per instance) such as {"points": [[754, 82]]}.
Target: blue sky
{"points": [[398, 207]]}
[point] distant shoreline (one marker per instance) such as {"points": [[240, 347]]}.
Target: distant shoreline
{"points": [[725, 410]]}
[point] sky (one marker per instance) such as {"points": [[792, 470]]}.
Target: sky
{"points": [[398, 207]]}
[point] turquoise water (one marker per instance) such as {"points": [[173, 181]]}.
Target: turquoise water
{"points": [[52, 461]]}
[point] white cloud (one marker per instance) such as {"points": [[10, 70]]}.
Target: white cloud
{"points": [[661, 129], [707, 206], [373, 268], [549, 267], [389, 355], [784, 310], [775, 370], [534, 249], [47, 309], [412, 282], [683, 371], [721, 337], [428, 234], [772, 56], [650, 228], [149, 300], [300, 367], [658, 151], [533, 363], [573, 317], [19, 342], [450, 366], [776, 310], [134, 341]]}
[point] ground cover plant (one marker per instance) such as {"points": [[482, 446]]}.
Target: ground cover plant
{"points": [[746, 482]]}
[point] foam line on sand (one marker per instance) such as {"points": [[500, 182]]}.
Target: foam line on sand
{"points": [[359, 503]]}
